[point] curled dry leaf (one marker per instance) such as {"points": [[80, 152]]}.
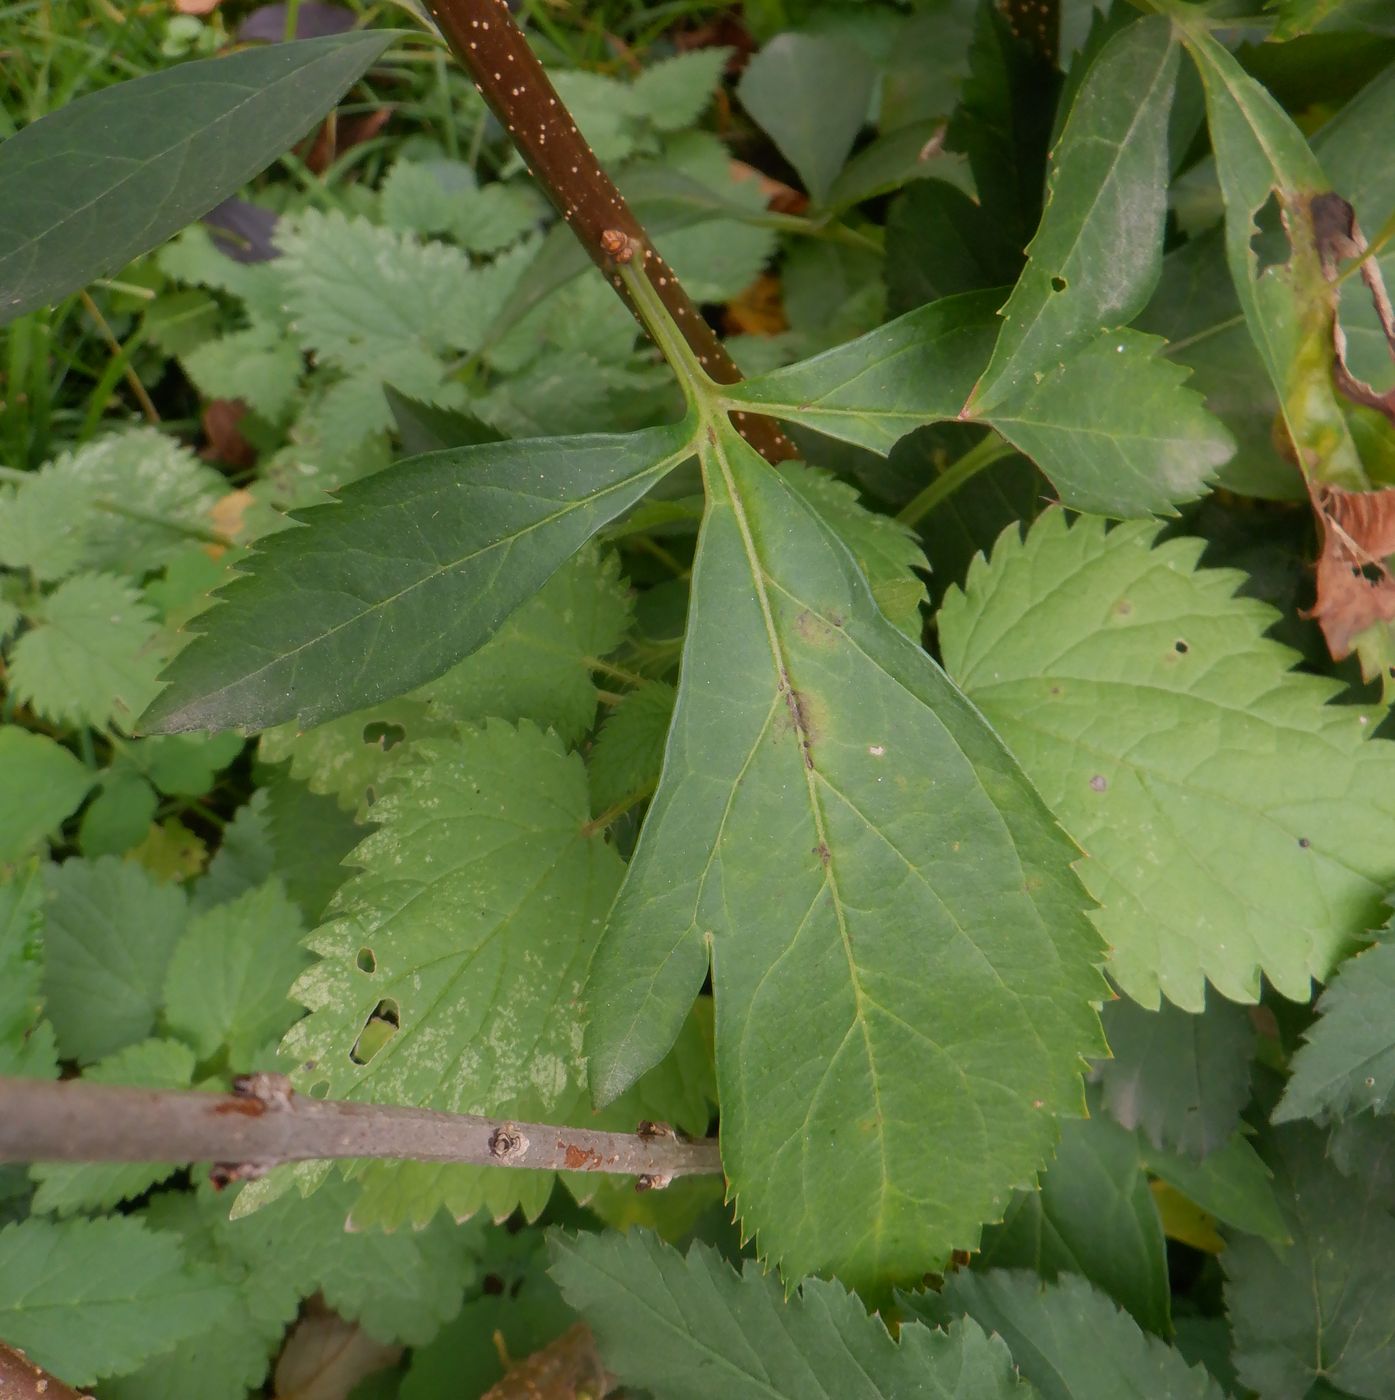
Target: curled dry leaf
{"points": [[1355, 588]]}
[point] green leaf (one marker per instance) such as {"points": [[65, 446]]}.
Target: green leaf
{"points": [[1067, 1339], [1232, 1183], [260, 365], [1097, 255], [494, 216], [245, 856], [811, 94], [114, 173], [886, 550], [109, 932], [26, 1043], [89, 1298], [1231, 815], [625, 760], [89, 658], [1093, 1215], [1287, 306], [449, 973], [687, 1327], [873, 390], [185, 765], [310, 836], [120, 815], [781, 844], [1183, 1079], [402, 578], [1348, 1061], [65, 1187], [674, 93], [229, 975], [1324, 1308], [41, 783]]}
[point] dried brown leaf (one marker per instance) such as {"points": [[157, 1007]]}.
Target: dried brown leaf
{"points": [[565, 1369]]}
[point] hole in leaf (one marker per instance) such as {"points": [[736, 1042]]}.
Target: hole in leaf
{"points": [[385, 736], [1180, 647], [1269, 242], [1058, 284], [320, 1090], [366, 961], [380, 1028]]}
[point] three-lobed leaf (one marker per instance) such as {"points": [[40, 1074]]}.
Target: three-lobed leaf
{"points": [[898, 950], [115, 173], [1229, 812], [406, 574]]}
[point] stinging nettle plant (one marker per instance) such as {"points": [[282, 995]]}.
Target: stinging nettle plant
{"points": [[912, 883]]}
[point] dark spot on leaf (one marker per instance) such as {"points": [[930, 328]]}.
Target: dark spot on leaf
{"points": [[385, 736], [1180, 647], [1099, 782], [366, 961], [1304, 842], [320, 1090], [823, 853], [1123, 607], [1058, 284]]}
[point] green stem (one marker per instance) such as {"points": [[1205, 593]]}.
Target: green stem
{"points": [[982, 454], [687, 364]]}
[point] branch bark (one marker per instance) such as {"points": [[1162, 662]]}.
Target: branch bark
{"points": [[21, 1379], [506, 72], [265, 1124]]}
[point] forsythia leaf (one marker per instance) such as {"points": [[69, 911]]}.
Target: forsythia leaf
{"points": [[40, 784], [89, 1298], [109, 933], [688, 1327], [26, 1043], [629, 750], [1234, 821], [229, 975], [88, 660], [65, 1187], [1070, 1341], [1348, 1062], [450, 971]]}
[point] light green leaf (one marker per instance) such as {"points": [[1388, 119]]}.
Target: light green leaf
{"points": [[1323, 1308], [828, 806], [1233, 819], [1183, 1079], [109, 932], [259, 365], [1093, 1215], [674, 93], [229, 976], [811, 94], [89, 658], [603, 108], [423, 198], [120, 815], [688, 1327], [625, 760], [1232, 1183], [402, 578], [1098, 252], [185, 765], [886, 550], [116, 172], [89, 1298], [450, 972], [26, 1042], [1348, 1061], [1287, 306], [1067, 1339], [872, 391], [41, 783], [65, 1187], [494, 216], [244, 859], [1116, 430]]}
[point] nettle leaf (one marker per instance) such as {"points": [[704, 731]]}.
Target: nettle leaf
{"points": [[41, 783], [811, 93], [1098, 252], [887, 551], [1231, 816], [1092, 1215], [1070, 1341], [873, 390], [1183, 1079], [120, 815], [625, 760], [1323, 1308], [686, 1327], [674, 93], [228, 978], [90, 1298], [1348, 1061], [450, 972], [118, 171], [401, 578], [65, 1187], [1259, 153], [827, 813], [310, 838], [89, 658], [26, 1042], [109, 930]]}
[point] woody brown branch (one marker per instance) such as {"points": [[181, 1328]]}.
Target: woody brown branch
{"points": [[267, 1124], [506, 72]]}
